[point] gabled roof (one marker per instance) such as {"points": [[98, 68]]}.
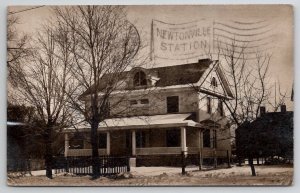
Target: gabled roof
{"points": [[181, 74], [275, 119], [270, 120], [184, 74]]}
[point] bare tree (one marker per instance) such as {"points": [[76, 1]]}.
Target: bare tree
{"points": [[43, 81], [104, 44], [17, 48], [248, 79], [279, 98]]}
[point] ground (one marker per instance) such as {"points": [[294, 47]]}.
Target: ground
{"points": [[168, 176]]}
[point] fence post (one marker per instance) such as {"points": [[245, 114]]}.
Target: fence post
{"points": [[29, 166], [183, 162], [200, 159], [228, 159], [215, 158], [66, 164], [127, 163]]}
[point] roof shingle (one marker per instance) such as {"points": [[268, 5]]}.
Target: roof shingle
{"points": [[167, 76]]}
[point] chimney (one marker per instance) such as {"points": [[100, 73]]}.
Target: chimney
{"points": [[262, 110], [283, 108]]}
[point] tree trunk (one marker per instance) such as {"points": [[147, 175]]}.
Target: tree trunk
{"points": [[48, 153], [95, 154], [252, 166]]}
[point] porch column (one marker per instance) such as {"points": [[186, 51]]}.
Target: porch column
{"points": [[183, 149], [201, 138], [66, 144], [108, 143], [200, 145], [133, 140], [183, 139]]}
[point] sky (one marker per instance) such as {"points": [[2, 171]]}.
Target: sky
{"points": [[273, 22]]}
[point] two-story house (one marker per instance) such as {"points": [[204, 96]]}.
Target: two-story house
{"points": [[164, 111]]}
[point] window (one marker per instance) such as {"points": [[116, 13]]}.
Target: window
{"points": [[209, 105], [106, 109], [214, 139], [214, 82], [172, 104], [206, 138], [133, 102], [102, 140], [139, 102], [77, 141], [145, 101], [140, 79], [140, 139], [220, 108], [173, 138]]}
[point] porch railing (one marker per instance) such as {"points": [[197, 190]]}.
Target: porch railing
{"points": [[206, 152], [84, 152], [83, 165], [158, 150]]}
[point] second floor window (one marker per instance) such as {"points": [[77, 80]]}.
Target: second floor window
{"points": [[172, 104], [133, 102], [220, 108], [141, 102], [106, 109], [209, 105], [139, 79], [144, 101]]}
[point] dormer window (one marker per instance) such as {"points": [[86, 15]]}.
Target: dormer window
{"points": [[214, 82], [139, 79]]}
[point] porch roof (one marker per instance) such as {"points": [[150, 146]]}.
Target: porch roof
{"points": [[144, 122]]}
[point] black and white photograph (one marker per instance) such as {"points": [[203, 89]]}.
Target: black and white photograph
{"points": [[150, 95]]}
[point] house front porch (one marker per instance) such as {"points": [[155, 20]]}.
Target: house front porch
{"points": [[153, 140]]}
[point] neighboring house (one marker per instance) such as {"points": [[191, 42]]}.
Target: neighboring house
{"points": [[164, 111], [24, 135], [269, 135]]}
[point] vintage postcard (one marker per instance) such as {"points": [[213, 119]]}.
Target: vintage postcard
{"points": [[148, 95]]}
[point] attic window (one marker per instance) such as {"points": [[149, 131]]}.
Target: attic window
{"points": [[139, 79], [214, 82]]}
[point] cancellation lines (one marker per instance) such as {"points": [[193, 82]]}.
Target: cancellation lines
{"points": [[236, 38]]}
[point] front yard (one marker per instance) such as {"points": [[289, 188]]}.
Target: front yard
{"points": [[169, 176]]}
